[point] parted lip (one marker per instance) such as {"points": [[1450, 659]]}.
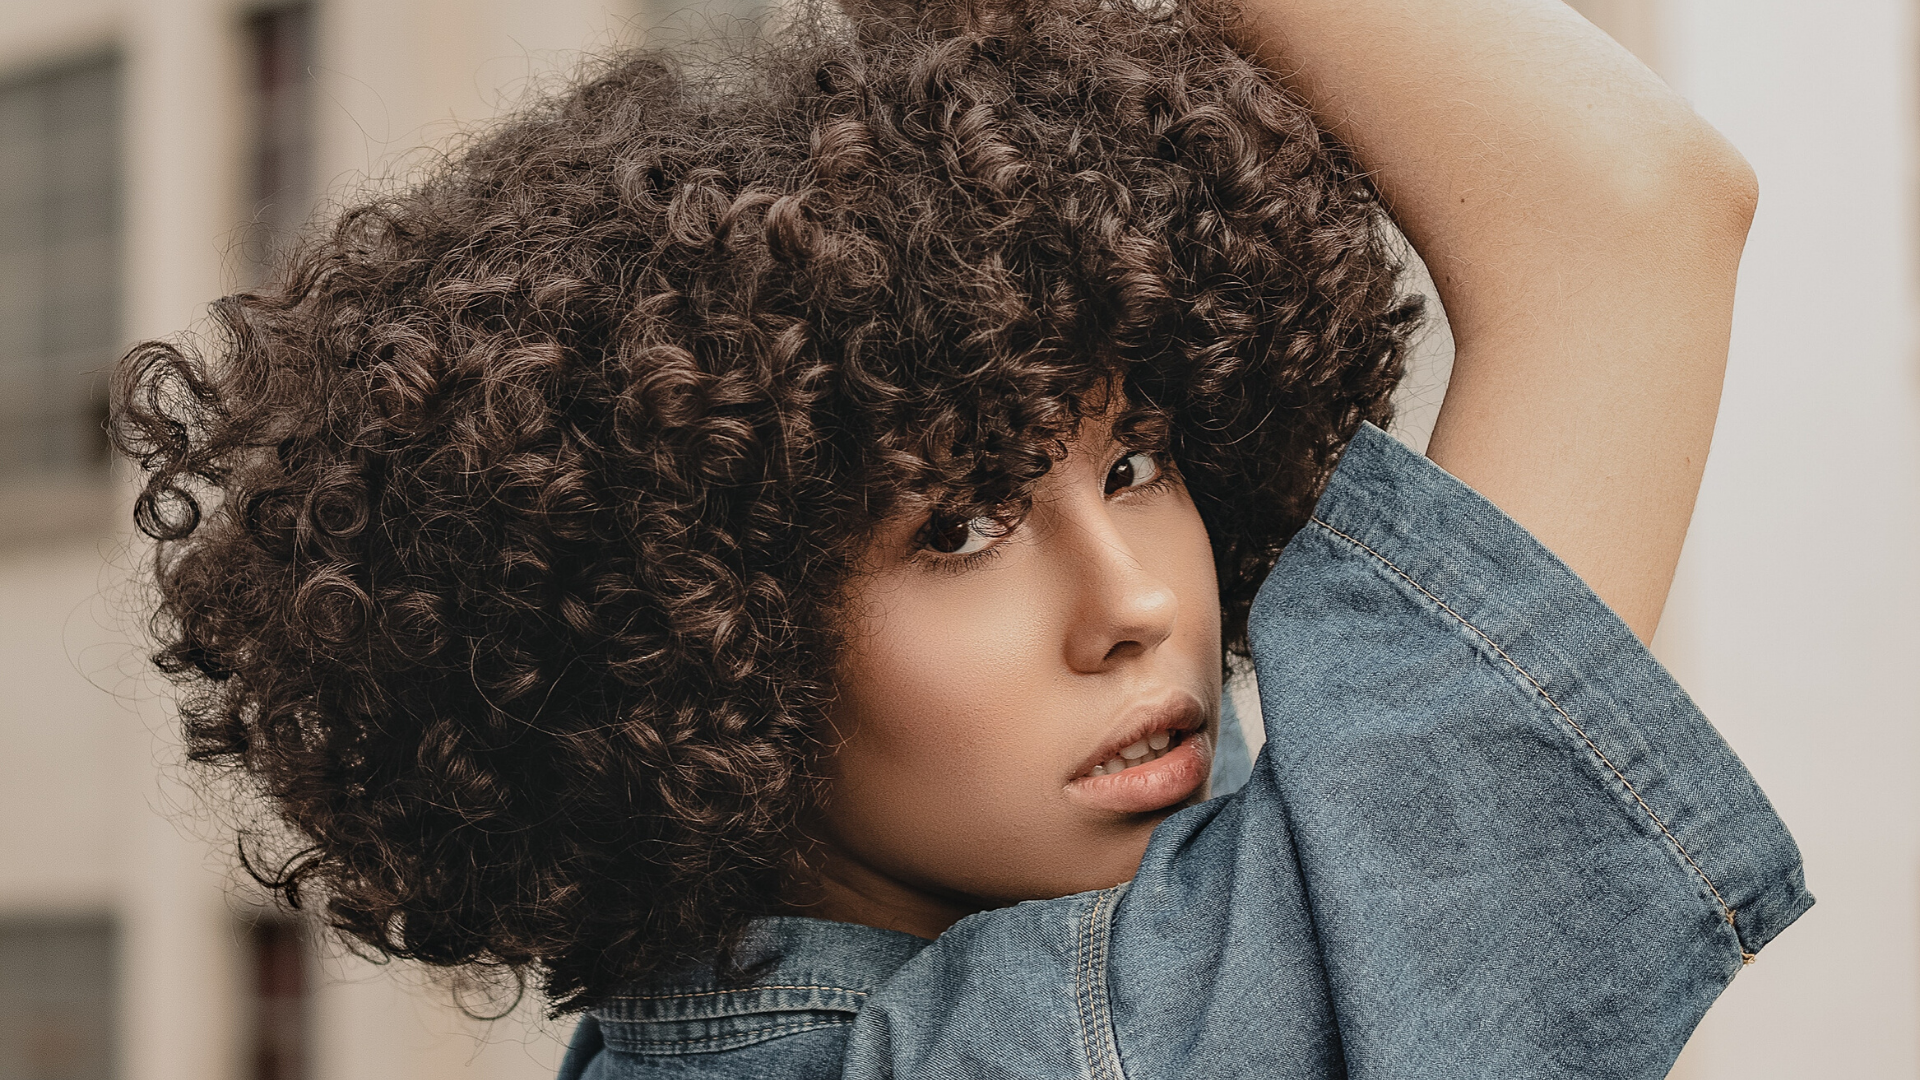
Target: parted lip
{"points": [[1172, 712]]}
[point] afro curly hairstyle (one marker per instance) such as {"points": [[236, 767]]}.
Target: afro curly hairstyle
{"points": [[498, 536]]}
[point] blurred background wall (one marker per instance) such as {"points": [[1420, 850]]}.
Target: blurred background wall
{"points": [[152, 152], [1794, 617]]}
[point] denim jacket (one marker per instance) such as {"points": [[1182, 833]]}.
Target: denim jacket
{"points": [[1488, 836]]}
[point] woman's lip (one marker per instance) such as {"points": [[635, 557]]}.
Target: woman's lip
{"points": [[1177, 712], [1169, 779]]}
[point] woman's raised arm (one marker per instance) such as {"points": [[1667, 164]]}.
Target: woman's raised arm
{"points": [[1583, 226]]}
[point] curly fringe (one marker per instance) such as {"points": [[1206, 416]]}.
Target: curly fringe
{"points": [[498, 538]]}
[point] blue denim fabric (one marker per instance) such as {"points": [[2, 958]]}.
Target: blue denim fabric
{"points": [[1488, 836]]}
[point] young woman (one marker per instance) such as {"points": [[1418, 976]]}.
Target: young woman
{"points": [[757, 552]]}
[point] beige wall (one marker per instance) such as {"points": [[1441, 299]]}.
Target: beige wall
{"points": [[1794, 618], [397, 74], [60, 739], [94, 817], [33, 31], [1633, 23]]}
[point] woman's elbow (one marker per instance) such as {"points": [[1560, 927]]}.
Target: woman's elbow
{"points": [[1706, 190], [1730, 188]]}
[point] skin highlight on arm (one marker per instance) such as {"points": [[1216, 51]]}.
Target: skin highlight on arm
{"points": [[1584, 228]]}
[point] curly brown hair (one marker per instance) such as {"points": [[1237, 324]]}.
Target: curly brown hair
{"points": [[499, 536]]}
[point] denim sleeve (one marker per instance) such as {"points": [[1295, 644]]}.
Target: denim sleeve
{"points": [[1488, 835]]}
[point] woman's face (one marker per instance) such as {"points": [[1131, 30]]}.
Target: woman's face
{"points": [[1017, 712]]}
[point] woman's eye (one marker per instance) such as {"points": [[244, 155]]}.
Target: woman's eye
{"points": [[961, 537], [1133, 470]]}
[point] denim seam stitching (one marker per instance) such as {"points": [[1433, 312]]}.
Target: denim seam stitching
{"points": [[773, 1031], [1090, 974], [1104, 1035], [1726, 908], [739, 990], [1081, 1007]]}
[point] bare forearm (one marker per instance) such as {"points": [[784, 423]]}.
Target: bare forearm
{"points": [[1583, 227]]}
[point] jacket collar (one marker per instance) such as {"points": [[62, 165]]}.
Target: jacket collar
{"points": [[793, 964]]}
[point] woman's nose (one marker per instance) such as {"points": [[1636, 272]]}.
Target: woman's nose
{"points": [[1123, 609]]}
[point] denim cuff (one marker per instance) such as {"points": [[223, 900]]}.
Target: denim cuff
{"points": [[1536, 623]]}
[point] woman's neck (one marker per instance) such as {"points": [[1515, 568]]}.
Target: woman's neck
{"points": [[841, 888]]}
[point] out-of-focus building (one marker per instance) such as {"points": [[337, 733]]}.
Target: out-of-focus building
{"points": [[151, 153]]}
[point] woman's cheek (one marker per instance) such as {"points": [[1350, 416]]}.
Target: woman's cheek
{"points": [[944, 681], [945, 760]]}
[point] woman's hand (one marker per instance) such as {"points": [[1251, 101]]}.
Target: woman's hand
{"points": [[1583, 226]]}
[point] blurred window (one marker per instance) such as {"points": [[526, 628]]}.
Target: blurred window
{"points": [[280, 184], [56, 1000], [281, 1003], [60, 226]]}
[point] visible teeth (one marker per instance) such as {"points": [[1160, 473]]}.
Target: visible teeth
{"points": [[1152, 748]]}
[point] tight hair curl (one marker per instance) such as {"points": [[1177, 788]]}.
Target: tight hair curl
{"points": [[499, 535]]}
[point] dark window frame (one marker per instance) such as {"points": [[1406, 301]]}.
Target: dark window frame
{"points": [[279, 186], [59, 996]]}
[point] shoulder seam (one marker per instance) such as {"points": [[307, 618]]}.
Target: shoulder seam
{"points": [[751, 1036], [734, 990], [1726, 909], [1090, 988]]}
